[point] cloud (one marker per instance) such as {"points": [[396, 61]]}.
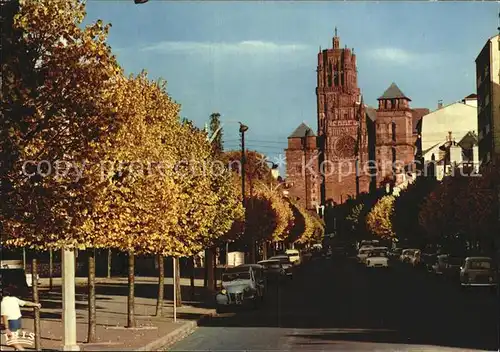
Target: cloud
{"points": [[244, 47], [402, 57]]}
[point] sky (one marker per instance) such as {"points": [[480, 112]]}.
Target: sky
{"points": [[255, 62]]}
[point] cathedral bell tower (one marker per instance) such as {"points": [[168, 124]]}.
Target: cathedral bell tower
{"points": [[341, 123]]}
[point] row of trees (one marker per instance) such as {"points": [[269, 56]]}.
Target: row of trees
{"points": [[94, 159], [460, 210]]}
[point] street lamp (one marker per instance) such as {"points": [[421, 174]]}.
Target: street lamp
{"points": [[243, 129]]}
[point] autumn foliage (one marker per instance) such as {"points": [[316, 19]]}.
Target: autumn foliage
{"points": [[379, 221]]}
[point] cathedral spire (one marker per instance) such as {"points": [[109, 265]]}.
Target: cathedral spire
{"points": [[336, 40]]}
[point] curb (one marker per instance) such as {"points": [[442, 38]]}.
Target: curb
{"points": [[178, 334]]}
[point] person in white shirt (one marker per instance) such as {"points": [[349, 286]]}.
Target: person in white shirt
{"points": [[11, 312]]}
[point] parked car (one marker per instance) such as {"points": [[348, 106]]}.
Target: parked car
{"points": [[377, 257], [478, 271], [293, 255], [372, 243], [454, 263], [285, 263], [441, 263], [273, 270], [363, 254], [428, 260], [260, 276], [406, 255], [415, 258], [239, 288]]}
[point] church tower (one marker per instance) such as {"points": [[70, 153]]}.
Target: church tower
{"points": [[342, 134], [395, 148]]}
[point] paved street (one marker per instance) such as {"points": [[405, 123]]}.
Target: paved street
{"points": [[334, 305]]}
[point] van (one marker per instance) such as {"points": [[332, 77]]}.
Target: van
{"points": [[294, 256]]}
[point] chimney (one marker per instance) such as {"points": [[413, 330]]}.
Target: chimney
{"points": [[440, 104]]}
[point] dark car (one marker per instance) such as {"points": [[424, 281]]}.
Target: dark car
{"points": [[477, 272], [286, 264], [428, 260], [454, 263]]}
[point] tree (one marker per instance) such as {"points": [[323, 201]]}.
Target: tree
{"points": [[379, 219], [55, 78], [216, 133], [406, 209]]}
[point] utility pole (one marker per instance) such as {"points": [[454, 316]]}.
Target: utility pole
{"points": [[243, 129]]}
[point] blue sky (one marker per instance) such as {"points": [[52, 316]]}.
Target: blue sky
{"points": [[255, 61]]}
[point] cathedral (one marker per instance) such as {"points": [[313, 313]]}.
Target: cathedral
{"points": [[356, 148]]}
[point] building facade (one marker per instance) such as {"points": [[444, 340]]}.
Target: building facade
{"points": [[355, 144], [488, 96], [302, 167], [449, 138], [341, 118]]}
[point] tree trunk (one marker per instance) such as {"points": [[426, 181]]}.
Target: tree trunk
{"points": [[209, 264], [264, 250], [34, 286], [252, 250], [206, 272], [178, 296], [91, 337], [161, 285], [110, 253], [214, 267], [51, 270], [191, 278], [131, 286]]}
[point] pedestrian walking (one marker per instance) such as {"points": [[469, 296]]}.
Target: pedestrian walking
{"points": [[11, 312]]}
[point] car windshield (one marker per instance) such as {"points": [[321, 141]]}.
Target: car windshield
{"points": [[235, 276], [480, 264], [271, 265]]}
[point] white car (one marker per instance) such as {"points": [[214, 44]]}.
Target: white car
{"points": [[377, 257], [294, 256]]}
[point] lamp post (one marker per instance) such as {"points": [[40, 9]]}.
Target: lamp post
{"points": [[243, 129]]}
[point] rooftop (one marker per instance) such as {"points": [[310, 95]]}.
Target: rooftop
{"points": [[393, 92], [302, 131]]}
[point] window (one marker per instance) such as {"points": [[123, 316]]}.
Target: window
{"points": [[329, 81], [345, 117], [393, 131], [393, 103], [393, 154]]}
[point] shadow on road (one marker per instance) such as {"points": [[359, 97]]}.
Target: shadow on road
{"points": [[338, 300]]}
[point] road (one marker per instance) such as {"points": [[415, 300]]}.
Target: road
{"points": [[336, 305]]}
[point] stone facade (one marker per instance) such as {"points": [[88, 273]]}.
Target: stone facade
{"points": [[303, 166], [352, 138]]}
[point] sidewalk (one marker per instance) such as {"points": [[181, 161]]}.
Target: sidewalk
{"points": [[151, 332]]}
